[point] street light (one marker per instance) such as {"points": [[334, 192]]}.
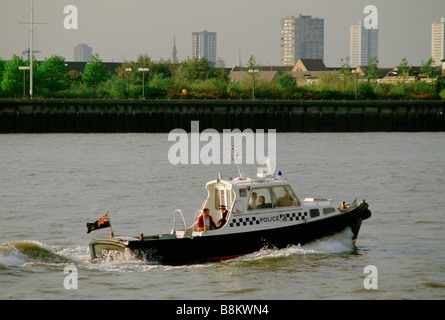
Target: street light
{"points": [[143, 70], [391, 72], [253, 72], [355, 73], [24, 68], [128, 77]]}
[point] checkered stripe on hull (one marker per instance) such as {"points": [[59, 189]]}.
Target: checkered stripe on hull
{"points": [[245, 221]]}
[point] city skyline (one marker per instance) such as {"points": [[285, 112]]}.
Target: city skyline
{"points": [[119, 32]]}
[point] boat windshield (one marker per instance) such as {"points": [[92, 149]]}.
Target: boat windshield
{"points": [[284, 197], [272, 197]]}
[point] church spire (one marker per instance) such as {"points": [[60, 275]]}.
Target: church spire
{"points": [[174, 58], [238, 61]]}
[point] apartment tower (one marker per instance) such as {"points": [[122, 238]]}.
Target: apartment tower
{"points": [[83, 53], [364, 45], [204, 45], [438, 41], [302, 37]]}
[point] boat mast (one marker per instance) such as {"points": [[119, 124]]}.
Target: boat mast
{"points": [[240, 170]]}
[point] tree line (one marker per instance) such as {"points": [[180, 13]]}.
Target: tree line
{"points": [[203, 79]]}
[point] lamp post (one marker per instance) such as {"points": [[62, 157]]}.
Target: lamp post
{"points": [[24, 68], [31, 85], [253, 72], [391, 72], [355, 73], [128, 77], [143, 70]]}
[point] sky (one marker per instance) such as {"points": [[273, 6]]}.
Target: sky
{"points": [[121, 30]]}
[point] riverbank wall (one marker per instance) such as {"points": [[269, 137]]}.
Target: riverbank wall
{"points": [[162, 116]]}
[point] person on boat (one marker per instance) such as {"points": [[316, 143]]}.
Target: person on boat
{"points": [[252, 201], [223, 220], [205, 221], [284, 201], [262, 203]]}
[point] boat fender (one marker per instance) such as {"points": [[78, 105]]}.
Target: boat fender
{"points": [[366, 215]]}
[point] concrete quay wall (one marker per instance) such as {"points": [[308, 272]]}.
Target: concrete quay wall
{"points": [[157, 116]]}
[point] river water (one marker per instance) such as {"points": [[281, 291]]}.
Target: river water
{"points": [[52, 184]]}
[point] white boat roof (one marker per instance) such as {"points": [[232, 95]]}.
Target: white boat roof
{"points": [[264, 180]]}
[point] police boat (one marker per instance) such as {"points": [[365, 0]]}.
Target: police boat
{"points": [[240, 216]]}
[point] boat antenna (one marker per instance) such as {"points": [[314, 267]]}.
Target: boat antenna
{"points": [[240, 171]]}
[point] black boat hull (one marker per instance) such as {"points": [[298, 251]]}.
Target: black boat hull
{"points": [[218, 247]]}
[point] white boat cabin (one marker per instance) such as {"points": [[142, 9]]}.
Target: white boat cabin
{"points": [[249, 195], [266, 201]]}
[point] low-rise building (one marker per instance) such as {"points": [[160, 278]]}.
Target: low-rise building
{"points": [[270, 77]]}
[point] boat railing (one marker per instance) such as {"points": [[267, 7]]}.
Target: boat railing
{"points": [[195, 218], [174, 221], [184, 231]]}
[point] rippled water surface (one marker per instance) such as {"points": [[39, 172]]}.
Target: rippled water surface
{"points": [[51, 185]]}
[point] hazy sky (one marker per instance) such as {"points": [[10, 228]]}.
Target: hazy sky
{"points": [[122, 30]]}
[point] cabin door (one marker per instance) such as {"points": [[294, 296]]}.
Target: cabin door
{"points": [[222, 197]]}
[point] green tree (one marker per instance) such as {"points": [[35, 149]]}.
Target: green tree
{"points": [[365, 90], [163, 69], [161, 81], [74, 77], [372, 70], [429, 69], [133, 79], [12, 82], [194, 69], [132, 76], [346, 71], [220, 73], [286, 81], [2, 68], [252, 64], [95, 73], [53, 74], [116, 88], [404, 68]]}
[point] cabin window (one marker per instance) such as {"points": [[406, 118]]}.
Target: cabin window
{"points": [[314, 213], [260, 199], [283, 196], [328, 210]]}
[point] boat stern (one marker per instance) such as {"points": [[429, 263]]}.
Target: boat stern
{"points": [[100, 248]]}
